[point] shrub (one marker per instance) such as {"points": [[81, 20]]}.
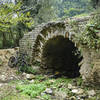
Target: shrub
{"points": [[90, 37]]}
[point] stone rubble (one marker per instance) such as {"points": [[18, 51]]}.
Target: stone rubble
{"points": [[48, 91], [91, 93]]}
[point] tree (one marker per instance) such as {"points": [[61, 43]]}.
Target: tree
{"points": [[95, 3], [73, 7], [13, 24], [41, 10]]}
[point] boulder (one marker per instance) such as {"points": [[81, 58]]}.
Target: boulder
{"points": [[90, 69], [28, 76], [96, 72], [78, 91], [91, 93]]}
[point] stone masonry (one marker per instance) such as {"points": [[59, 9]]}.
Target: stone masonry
{"points": [[32, 42]]}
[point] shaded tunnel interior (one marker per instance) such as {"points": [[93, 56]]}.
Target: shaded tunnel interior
{"points": [[61, 55]]}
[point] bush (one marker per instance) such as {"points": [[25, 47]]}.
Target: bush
{"points": [[90, 37], [13, 24], [21, 61]]}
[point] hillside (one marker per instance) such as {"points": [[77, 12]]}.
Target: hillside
{"points": [[73, 7]]}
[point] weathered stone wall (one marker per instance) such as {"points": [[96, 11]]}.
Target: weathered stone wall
{"points": [[90, 69], [32, 41]]}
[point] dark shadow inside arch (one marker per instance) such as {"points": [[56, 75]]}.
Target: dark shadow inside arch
{"points": [[61, 55]]}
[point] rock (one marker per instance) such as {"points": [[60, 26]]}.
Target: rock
{"points": [[24, 75], [1, 84], [11, 78], [85, 69], [75, 91], [31, 81], [51, 81], [98, 34], [96, 73], [78, 98], [78, 91], [42, 94], [83, 96], [3, 77], [91, 93], [72, 98], [30, 76], [60, 95], [48, 91], [71, 87]]}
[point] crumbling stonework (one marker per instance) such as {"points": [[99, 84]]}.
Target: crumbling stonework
{"points": [[90, 69], [33, 42]]}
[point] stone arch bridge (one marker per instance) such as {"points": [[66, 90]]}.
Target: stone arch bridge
{"points": [[33, 42]]}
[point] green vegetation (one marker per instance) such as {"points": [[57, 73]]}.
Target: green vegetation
{"points": [[27, 69], [27, 90], [46, 10], [72, 8], [33, 89], [16, 97], [41, 10], [90, 38], [39, 86], [95, 3], [13, 24], [16, 20]]}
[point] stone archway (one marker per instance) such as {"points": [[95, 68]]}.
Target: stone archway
{"points": [[33, 42], [60, 54], [49, 31]]}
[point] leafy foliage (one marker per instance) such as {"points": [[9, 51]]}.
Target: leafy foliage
{"points": [[90, 37], [71, 8], [33, 90], [41, 10], [21, 61], [47, 10], [12, 24], [40, 84], [95, 3]]}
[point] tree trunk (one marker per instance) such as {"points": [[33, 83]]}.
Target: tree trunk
{"points": [[4, 40]]}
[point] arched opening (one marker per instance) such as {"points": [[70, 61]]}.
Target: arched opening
{"points": [[61, 55]]}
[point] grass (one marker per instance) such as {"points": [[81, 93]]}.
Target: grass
{"points": [[32, 90], [16, 97], [81, 15], [40, 84], [35, 90]]}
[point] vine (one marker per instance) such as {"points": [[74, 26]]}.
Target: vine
{"points": [[90, 38]]}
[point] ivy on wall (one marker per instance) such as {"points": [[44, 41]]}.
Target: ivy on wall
{"points": [[90, 38]]}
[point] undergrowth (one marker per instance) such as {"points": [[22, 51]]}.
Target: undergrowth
{"points": [[40, 84], [90, 37]]}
